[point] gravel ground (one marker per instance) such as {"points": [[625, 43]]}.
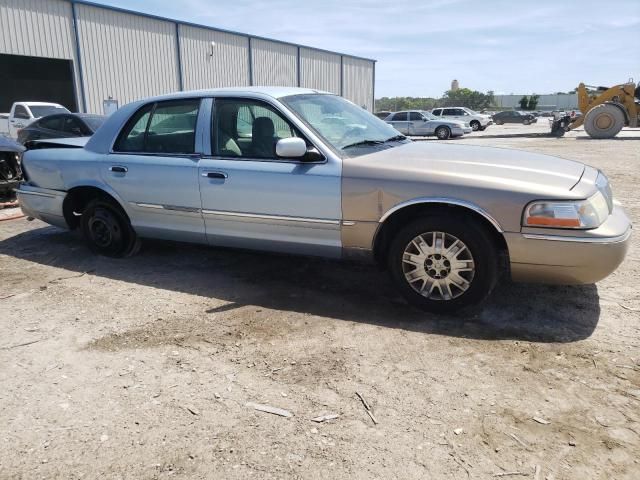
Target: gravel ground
{"points": [[143, 368]]}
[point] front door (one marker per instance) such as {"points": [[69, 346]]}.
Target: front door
{"points": [[251, 198], [154, 169]]}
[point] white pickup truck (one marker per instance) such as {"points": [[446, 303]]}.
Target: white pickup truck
{"points": [[24, 113]]}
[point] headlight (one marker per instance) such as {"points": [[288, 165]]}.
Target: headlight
{"points": [[589, 213], [602, 182]]}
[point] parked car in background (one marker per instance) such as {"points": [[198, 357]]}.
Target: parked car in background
{"points": [[301, 172], [61, 126], [417, 122], [514, 116], [24, 113], [477, 121], [382, 115]]}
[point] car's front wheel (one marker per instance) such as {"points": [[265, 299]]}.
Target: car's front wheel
{"points": [[443, 263], [475, 125], [107, 230], [443, 133]]}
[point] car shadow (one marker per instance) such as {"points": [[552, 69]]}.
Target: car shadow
{"points": [[338, 290]]}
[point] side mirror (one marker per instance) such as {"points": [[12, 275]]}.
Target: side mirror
{"points": [[293, 147]]}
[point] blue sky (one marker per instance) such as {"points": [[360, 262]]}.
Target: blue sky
{"points": [[508, 46]]}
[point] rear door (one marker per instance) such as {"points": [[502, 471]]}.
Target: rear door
{"points": [[153, 167], [251, 198], [400, 121]]}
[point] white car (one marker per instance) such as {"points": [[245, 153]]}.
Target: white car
{"points": [[24, 114], [477, 121], [421, 123]]}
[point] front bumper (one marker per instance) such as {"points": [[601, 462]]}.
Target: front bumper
{"points": [[569, 260], [43, 204]]}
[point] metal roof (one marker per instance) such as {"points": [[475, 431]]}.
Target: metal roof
{"points": [[208, 27]]}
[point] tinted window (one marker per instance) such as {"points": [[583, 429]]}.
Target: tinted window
{"points": [[400, 117], [415, 116], [166, 127], [74, 126], [20, 112], [51, 123], [437, 111]]}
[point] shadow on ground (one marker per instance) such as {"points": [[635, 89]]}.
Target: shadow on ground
{"points": [[343, 291]]}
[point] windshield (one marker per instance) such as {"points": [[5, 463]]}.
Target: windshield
{"points": [[44, 110], [341, 123], [94, 122]]}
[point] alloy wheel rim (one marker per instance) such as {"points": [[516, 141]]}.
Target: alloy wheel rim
{"points": [[438, 266], [442, 133]]}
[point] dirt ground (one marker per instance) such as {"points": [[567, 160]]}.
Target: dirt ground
{"points": [[142, 368]]}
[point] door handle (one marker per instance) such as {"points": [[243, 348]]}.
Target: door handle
{"points": [[118, 169], [215, 175]]}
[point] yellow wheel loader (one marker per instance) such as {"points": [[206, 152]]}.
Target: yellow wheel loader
{"points": [[605, 112]]}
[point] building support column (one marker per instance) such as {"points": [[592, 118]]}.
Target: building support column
{"points": [[78, 56]]}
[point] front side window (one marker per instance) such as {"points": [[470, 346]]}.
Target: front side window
{"points": [[162, 128], [248, 128], [437, 111], [415, 116], [74, 126], [21, 112]]}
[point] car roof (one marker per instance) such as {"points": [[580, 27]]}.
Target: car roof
{"points": [[274, 92]]}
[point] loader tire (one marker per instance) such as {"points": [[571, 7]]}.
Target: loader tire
{"points": [[604, 121]]}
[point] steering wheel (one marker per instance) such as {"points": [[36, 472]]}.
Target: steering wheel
{"points": [[352, 132]]}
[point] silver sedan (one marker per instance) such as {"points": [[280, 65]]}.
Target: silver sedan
{"points": [[421, 123]]}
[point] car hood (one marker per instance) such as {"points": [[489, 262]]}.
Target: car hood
{"points": [[474, 166]]}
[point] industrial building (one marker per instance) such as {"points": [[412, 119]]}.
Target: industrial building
{"points": [[92, 58]]}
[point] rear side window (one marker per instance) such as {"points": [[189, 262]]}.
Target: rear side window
{"points": [[164, 127], [400, 117]]}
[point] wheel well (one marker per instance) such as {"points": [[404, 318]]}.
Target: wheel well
{"points": [[77, 199], [402, 217], [622, 109]]}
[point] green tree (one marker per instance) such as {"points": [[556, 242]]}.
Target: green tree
{"points": [[524, 103], [465, 97], [533, 102]]}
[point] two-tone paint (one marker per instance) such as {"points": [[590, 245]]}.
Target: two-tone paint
{"points": [[334, 207]]}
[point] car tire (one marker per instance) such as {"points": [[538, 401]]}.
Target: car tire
{"points": [[526, 122], [499, 122], [107, 230], [475, 125], [604, 121], [443, 133], [421, 251]]}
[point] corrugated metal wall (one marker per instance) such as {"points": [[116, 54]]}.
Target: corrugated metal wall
{"points": [[39, 28], [125, 56], [226, 64], [320, 70], [274, 64], [358, 81], [129, 56]]}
